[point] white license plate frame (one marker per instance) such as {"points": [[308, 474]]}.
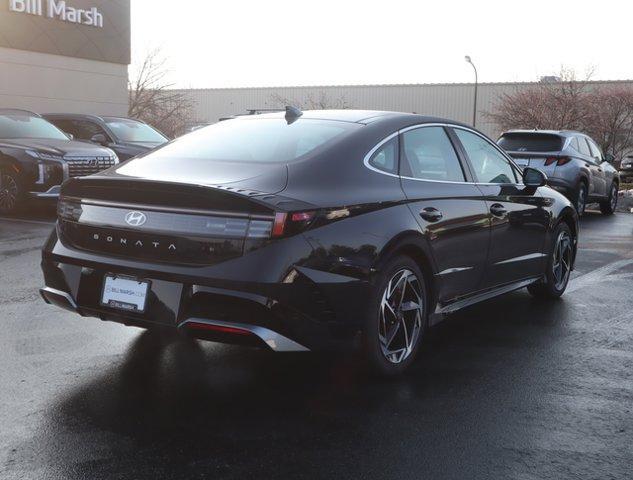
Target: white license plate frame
{"points": [[123, 293]]}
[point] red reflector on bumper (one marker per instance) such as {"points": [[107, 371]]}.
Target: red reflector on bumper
{"points": [[217, 328]]}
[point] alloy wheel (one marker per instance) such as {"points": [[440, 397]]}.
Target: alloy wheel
{"points": [[8, 192], [614, 197], [580, 204], [561, 265], [401, 316]]}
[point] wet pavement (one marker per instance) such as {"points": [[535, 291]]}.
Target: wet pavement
{"points": [[509, 389]]}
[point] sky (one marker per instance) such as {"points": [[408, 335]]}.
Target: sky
{"points": [[248, 43]]}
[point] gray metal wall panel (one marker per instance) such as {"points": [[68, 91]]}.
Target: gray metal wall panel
{"points": [[452, 101]]}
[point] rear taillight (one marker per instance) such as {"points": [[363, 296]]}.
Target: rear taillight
{"points": [[69, 209], [291, 223], [559, 161]]}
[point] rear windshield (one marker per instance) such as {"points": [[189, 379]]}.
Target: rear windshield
{"points": [[254, 140], [531, 142]]}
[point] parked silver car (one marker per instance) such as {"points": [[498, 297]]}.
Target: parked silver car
{"points": [[573, 163]]}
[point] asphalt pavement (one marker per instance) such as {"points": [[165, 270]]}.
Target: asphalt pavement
{"points": [[510, 389]]}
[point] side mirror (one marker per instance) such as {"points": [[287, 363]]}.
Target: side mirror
{"points": [[99, 138], [608, 157], [534, 178], [70, 136]]}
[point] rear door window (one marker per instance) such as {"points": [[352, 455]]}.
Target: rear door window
{"points": [[428, 154], [584, 146], [595, 151]]}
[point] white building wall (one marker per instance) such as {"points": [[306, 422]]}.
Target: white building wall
{"points": [[46, 83], [452, 101]]}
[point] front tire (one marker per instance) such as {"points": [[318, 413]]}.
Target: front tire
{"points": [[559, 266], [609, 206], [397, 318], [11, 193]]}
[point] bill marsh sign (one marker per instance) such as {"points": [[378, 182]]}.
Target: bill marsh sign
{"points": [[90, 29], [58, 9]]}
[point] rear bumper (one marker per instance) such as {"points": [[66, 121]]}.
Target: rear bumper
{"points": [[51, 194], [308, 310], [197, 327], [563, 186]]}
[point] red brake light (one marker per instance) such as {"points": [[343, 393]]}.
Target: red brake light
{"points": [[302, 216], [218, 328], [559, 161], [289, 223]]}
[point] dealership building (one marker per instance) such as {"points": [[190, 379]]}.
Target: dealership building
{"points": [[65, 55]]}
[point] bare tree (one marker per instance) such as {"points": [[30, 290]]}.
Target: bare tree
{"points": [[604, 113], [610, 122], [548, 105], [319, 101], [153, 100]]}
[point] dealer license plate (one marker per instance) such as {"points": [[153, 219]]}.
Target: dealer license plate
{"points": [[124, 293]]}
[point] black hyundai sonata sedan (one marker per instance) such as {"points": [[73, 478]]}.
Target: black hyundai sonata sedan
{"points": [[308, 231]]}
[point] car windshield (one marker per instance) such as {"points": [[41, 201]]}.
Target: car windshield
{"points": [[269, 140], [531, 142], [133, 131], [22, 125]]}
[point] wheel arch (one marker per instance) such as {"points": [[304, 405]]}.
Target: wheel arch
{"points": [[569, 216], [415, 246], [9, 162]]}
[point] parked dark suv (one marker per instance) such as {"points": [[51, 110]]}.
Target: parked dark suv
{"points": [[310, 230], [36, 157], [573, 163], [126, 136]]}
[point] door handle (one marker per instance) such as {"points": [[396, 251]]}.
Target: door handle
{"points": [[498, 210], [431, 214]]}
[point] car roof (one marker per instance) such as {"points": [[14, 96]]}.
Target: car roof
{"points": [[73, 115], [358, 116], [562, 133], [8, 111], [88, 116]]}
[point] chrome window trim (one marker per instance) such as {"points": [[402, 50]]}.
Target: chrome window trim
{"points": [[374, 150], [449, 125]]}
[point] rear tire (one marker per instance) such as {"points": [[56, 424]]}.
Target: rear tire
{"points": [[397, 319], [558, 266], [11, 192], [581, 198], [609, 206]]}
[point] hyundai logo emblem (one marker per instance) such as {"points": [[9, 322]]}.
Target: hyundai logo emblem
{"points": [[135, 219]]}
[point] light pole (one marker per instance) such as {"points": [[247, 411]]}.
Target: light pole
{"points": [[468, 59]]}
